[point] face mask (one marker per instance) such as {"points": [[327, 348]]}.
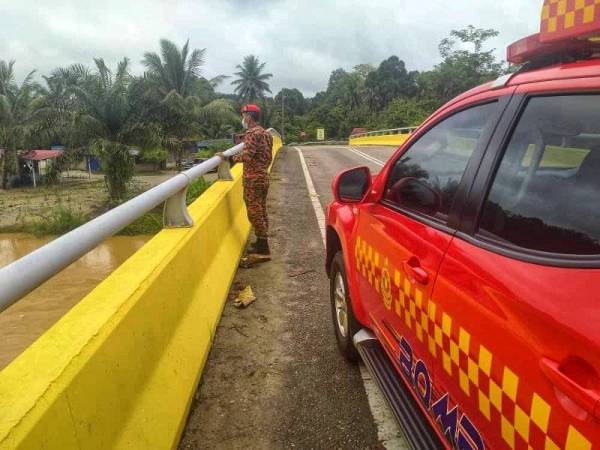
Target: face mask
{"points": [[244, 124]]}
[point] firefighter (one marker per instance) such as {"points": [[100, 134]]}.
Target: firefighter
{"points": [[256, 156]]}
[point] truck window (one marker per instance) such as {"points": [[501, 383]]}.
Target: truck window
{"points": [[544, 195], [436, 162]]}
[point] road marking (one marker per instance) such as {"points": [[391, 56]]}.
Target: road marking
{"points": [[367, 157], [313, 196], [388, 432]]}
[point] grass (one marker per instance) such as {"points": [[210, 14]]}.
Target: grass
{"points": [[149, 223], [196, 189], [152, 222], [60, 220]]}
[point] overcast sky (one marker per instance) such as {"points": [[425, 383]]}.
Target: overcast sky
{"points": [[302, 41]]}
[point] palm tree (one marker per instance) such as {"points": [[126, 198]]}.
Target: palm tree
{"points": [[174, 70], [175, 83], [16, 107], [251, 83], [56, 106], [111, 124], [218, 118]]}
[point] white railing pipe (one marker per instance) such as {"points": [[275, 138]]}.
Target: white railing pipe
{"points": [[27, 273]]}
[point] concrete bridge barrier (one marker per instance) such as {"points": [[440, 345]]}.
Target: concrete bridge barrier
{"points": [[394, 137], [119, 370]]}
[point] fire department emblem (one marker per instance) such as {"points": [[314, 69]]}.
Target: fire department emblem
{"points": [[386, 286]]}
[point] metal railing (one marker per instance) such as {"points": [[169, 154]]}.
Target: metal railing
{"points": [[391, 131], [25, 274]]}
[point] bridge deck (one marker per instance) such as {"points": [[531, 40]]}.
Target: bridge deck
{"points": [[274, 378]]}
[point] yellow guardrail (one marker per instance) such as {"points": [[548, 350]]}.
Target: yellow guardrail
{"points": [[394, 137], [120, 368], [395, 140]]}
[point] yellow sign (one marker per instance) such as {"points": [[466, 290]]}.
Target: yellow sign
{"points": [[320, 134]]}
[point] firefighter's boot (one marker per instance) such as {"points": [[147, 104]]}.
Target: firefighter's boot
{"points": [[260, 247]]}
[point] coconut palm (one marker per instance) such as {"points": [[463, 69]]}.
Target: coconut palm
{"points": [[251, 83], [16, 107], [111, 124]]}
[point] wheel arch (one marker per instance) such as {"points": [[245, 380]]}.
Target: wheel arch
{"points": [[335, 244]]}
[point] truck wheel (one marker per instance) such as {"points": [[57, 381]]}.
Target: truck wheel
{"points": [[344, 322]]}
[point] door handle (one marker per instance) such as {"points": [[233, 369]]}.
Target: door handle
{"points": [[412, 268], [586, 398]]}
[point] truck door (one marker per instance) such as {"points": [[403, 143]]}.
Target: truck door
{"points": [[518, 287], [401, 240]]}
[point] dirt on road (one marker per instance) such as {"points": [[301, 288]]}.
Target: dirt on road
{"points": [[274, 378]]}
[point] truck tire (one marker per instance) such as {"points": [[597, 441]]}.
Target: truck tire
{"points": [[345, 324]]}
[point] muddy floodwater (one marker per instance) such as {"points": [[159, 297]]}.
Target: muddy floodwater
{"points": [[26, 320]]}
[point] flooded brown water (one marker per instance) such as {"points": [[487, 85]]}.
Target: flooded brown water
{"points": [[26, 320]]}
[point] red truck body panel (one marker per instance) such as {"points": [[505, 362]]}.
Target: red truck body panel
{"points": [[502, 338]]}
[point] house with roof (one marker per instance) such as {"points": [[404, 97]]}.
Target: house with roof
{"points": [[39, 162]]}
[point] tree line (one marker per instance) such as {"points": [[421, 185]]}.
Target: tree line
{"points": [[107, 111], [390, 95]]}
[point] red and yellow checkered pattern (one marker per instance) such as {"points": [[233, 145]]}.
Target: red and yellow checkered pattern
{"points": [[569, 19], [524, 419]]}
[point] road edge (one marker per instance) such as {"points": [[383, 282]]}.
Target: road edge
{"points": [[388, 432]]}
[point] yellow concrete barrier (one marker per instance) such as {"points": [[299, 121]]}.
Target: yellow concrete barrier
{"points": [[384, 139], [120, 368]]}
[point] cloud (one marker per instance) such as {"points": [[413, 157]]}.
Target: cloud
{"points": [[301, 41]]}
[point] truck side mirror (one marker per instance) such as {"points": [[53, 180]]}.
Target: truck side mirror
{"points": [[352, 185]]}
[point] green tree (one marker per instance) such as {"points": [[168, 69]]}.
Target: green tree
{"points": [[461, 69], [251, 84], [218, 118], [185, 104], [174, 71], [16, 109], [389, 81], [294, 101], [400, 113], [57, 105], [111, 124], [364, 70]]}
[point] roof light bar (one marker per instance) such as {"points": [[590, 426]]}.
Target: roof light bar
{"points": [[567, 28]]}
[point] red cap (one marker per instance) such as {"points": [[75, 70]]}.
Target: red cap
{"points": [[251, 108]]}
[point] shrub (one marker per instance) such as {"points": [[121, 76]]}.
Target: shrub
{"points": [[61, 220], [220, 145], [149, 223], [156, 156], [152, 222], [196, 189], [205, 153]]}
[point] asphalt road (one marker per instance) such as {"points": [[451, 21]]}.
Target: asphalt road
{"points": [[274, 378], [326, 162]]}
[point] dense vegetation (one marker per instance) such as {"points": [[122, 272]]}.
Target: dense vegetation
{"points": [[391, 95], [107, 112]]}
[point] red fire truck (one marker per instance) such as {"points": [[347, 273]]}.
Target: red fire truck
{"points": [[466, 274]]}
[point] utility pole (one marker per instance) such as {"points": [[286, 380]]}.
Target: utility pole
{"points": [[282, 116]]}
